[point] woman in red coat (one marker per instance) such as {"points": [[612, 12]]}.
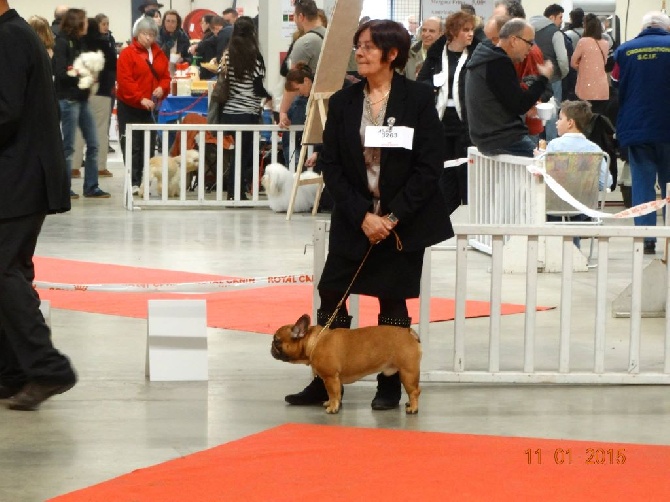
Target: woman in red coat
{"points": [[143, 79]]}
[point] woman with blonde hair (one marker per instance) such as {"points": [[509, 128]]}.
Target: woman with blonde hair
{"points": [[43, 30]]}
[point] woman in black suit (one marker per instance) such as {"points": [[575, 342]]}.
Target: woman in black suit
{"points": [[386, 199]]}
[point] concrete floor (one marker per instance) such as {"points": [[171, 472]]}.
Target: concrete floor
{"points": [[115, 421]]}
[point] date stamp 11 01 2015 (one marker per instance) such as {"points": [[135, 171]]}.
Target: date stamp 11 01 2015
{"points": [[567, 456]]}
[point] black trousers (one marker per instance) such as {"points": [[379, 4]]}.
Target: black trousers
{"points": [[26, 351], [247, 147], [129, 115]]}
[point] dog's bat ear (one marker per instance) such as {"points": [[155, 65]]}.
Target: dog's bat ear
{"points": [[301, 327]]}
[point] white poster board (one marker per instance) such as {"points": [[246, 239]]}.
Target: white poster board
{"points": [[442, 8]]}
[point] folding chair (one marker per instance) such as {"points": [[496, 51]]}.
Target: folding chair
{"points": [[578, 173]]}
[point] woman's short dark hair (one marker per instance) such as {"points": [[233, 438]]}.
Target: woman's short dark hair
{"points": [[455, 22], [73, 23], [387, 35], [592, 27]]}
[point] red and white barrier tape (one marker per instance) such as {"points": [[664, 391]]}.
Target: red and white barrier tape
{"points": [[184, 287], [564, 195]]}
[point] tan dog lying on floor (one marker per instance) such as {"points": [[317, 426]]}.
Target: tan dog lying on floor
{"points": [[343, 355], [174, 164]]}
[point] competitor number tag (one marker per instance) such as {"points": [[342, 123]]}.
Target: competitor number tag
{"points": [[389, 137]]}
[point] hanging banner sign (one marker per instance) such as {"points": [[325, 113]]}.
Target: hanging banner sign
{"points": [[442, 8]]}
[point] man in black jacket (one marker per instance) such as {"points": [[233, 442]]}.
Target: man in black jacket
{"points": [[33, 183], [495, 103]]}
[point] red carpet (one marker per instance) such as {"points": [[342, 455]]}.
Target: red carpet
{"points": [[259, 310], [297, 462]]}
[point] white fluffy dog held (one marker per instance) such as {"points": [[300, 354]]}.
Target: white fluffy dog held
{"points": [[278, 183]]}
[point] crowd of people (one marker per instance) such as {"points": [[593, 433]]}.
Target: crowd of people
{"points": [[443, 86]]}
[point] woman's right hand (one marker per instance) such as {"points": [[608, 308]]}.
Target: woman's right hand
{"points": [[148, 104], [376, 228]]}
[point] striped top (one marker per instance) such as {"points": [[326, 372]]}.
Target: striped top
{"points": [[244, 96]]}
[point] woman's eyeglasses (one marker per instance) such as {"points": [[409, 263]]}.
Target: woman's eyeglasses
{"points": [[364, 47]]}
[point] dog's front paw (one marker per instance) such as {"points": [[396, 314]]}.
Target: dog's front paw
{"points": [[411, 410], [332, 408]]}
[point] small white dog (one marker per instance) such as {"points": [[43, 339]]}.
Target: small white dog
{"points": [[87, 66], [278, 183], [174, 163]]}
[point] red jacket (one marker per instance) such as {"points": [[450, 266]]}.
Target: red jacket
{"points": [[135, 80], [529, 67]]}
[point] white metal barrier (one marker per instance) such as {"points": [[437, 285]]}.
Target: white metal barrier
{"points": [[636, 371], [200, 198]]}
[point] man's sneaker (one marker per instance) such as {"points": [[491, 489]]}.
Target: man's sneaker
{"points": [[650, 247], [136, 190], [76, 173], [97, 194], [105, 173], [110, 149], [73, 195]]}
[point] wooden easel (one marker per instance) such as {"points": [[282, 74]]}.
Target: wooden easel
{"points": [[328, 79]]}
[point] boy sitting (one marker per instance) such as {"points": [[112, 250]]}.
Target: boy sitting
{"points": [[573, 119]]}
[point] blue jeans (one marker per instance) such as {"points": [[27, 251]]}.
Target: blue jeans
{"points": [[522, 148], [646, 162], [297, 114], [550, 130], [75, 114]]}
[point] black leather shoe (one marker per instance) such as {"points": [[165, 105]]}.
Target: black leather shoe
{"points": [[650, 247], [33, 394], [7, 391], [314, 393]]}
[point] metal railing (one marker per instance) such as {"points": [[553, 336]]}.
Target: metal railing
{"points": [[200, 197], [559, 369]]}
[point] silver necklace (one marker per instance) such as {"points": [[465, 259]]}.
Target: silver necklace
{"points": [[379, 119]]}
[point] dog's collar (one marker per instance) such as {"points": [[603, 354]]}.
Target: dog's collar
{"points": [[312, 342]]}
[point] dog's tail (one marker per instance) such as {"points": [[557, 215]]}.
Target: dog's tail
{"points": [[415, 335]]}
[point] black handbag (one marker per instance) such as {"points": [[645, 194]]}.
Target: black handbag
{"points": [[221, 90]]}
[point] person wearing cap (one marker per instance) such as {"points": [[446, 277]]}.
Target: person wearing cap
{"points": [[149, 5], [149, 9]]}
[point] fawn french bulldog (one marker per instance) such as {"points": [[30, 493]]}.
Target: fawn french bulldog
{"points": [[344, 355]]}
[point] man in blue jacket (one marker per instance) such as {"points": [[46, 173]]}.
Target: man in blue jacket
{"points": [[643, 124]]}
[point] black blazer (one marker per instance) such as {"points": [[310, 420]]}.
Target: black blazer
{"points": [[32, 165], [408, 181]]}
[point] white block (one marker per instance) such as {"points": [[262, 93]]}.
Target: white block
{"points": [[45, 308], [177, 340]]}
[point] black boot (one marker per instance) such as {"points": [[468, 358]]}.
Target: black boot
{"points": [[315, 392], [388, 387], [388, 392]]}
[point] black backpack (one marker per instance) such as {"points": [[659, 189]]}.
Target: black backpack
{"points": [[570, 81], [602, 132]]}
